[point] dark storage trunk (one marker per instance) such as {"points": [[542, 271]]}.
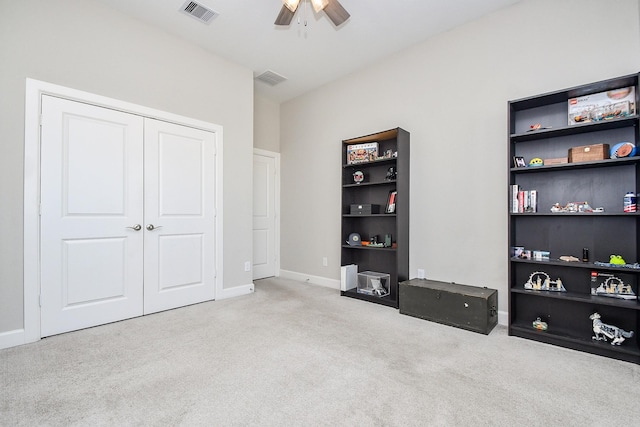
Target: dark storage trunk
{"points": [[462, 306]]}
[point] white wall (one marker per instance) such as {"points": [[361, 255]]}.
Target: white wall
{"points": [[266, 124], [85, 45], [451, 94]]}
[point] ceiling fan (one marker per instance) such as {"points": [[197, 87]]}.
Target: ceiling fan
{"points": [[332, 8]]}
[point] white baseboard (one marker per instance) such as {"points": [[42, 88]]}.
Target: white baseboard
{"points": [[314, 280], [236, 291], [503, 318], [11, 338]]}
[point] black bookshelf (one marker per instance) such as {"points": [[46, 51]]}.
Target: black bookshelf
{"points": [[375, 190], [602, 183]]}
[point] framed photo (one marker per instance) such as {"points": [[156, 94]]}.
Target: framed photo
{"points": [[519, 162], [391, 202]]}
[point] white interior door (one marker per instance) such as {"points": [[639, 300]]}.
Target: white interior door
{"points": [[91, 201], [127, 216], [264, 216], [179, 216]]}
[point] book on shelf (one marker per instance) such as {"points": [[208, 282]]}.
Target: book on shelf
{"points": [[513, 198], [533, 200], [521, 201]]}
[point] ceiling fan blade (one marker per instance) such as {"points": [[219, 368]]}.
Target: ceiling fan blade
{"points": [[284, 17], [336, 12]]}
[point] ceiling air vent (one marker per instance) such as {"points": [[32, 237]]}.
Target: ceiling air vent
{"points": [[270, 78], [198, 11]]}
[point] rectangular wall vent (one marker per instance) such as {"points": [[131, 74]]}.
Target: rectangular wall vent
{"points": [[271, 78], [198, 11]]}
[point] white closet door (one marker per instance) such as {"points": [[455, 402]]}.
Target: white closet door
{"points": [[264, 216], [91, 201], [179, 221]]}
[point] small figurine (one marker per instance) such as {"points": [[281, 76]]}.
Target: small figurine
{"points": [[391, 174], [358, 177], [603, 331], [616, 260], [535, 162], [540, 281], [540, 325], [378, 289], [556, 208], [537, 126], [575, 207], [614, 287]]}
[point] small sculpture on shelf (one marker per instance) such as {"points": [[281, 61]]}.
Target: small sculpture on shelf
{"points": [[537, 126], [612, 286], [378, 289], [373, 242], [569, 258], [540, 325], [391, 174], [536, 162], [617, 260], [575, 207], [540, 281], [358, 177], [602, 331]]}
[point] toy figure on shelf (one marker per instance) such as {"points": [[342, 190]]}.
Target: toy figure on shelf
{"points": [[603, 331], [616, 260], [537, 126], [378, 289], [391, 174], [540, 281], [540, 325], [612, 287], [575, 207], [536, 162]]}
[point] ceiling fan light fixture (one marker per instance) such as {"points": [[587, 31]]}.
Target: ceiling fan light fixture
{"points": [[319, 5], [292, 5]]}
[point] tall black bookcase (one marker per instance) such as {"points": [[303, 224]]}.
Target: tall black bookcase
{"points": [[601, 183], [375, 190]]}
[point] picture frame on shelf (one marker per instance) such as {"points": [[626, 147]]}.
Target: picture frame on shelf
{"points": [[391, 202], [519, 162]]}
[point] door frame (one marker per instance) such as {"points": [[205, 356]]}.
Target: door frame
{"points": [[34, 91], [276, 157]]}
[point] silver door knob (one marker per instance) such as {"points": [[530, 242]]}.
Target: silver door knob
{"points": [[136, 227], [152, 227]]}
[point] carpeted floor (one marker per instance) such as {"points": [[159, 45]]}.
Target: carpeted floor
{"points": [[296, 354]]}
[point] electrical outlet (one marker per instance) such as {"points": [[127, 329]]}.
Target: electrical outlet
{"points": [[324, 261], [247, 266], [420, 273]]}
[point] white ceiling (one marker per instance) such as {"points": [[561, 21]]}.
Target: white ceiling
{"points": [[313, 54]]}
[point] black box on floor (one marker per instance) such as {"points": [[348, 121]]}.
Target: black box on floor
{"points": [[365, 209], [467, 307]]}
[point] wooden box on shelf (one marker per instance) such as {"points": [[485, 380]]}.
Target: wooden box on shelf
{"points": [[588, 153]]}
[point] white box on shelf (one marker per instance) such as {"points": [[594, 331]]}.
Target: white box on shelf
{"points": [[348, 277], [611, 104], [373, 283]]}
